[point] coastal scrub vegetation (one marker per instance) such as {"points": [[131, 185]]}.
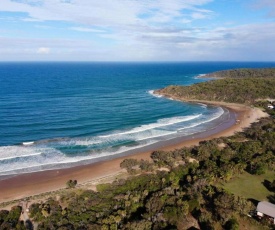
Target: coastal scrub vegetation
{"points": [[189, 194], [237, 90], [71, 183], [243, 73], [244, 86], [181, 189]]}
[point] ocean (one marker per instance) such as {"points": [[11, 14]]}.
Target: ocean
{"points": [[56, 115]]}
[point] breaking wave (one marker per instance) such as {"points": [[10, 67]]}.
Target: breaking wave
{"points": [[64, 152], [152, 92]]}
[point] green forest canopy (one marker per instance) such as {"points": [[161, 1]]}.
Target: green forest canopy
{"points": [[243, 73], [244, 90]]}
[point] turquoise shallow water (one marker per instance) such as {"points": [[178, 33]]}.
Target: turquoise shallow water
{"points": [[54, 114]]}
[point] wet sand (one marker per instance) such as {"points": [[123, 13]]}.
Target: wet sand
{"points": [[30, 184]]}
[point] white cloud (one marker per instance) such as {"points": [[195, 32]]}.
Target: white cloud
{"points": [[85, 29], [120, 21], [198, 15], [248, 42], [102, 13], [269, 5], [134, 30], [43, 50]]}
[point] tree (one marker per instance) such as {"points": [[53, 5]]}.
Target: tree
{"points": [[71, 183], [3, 215], [232, 224], [128, 163], [12, 219], [272, 185]]}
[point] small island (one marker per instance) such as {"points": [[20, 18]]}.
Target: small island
{"points": [[213, 182]]}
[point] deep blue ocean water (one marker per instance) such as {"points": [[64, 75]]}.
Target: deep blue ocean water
{"points": [[53, 114]]}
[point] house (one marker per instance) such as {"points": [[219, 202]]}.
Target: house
{"points": [[265, 208], [270, 106]]}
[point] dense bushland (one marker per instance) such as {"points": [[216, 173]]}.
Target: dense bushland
{"points": [[187, 195], [243, 73], [243, 91]]}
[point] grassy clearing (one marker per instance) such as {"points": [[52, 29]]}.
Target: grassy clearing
{"points": [[251, 186]]}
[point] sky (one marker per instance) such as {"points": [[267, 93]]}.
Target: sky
{"points": [[137, 30]]}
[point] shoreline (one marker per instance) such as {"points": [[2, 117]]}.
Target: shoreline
{"points": [[30, 184]]}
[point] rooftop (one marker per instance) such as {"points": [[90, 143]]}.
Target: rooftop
{"points": [[266, 208]]}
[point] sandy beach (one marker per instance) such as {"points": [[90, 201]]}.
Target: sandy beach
{"points": [[30, 184]]}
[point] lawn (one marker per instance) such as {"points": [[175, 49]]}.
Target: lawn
{"points": [[250, 186]]}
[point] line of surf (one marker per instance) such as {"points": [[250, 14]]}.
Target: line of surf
{"points": [[151, 92], [206, 121], [60, 164], [160, 123], [21, 156]]}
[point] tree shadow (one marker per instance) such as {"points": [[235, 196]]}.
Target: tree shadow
{"points": [[254, 201], [271, 199], [29, 225], [268, 186]]}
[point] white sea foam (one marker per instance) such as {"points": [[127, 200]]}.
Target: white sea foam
{"points": [[9, 152], [208, 119], [48, 155], [41, 158], [202, 105], [156, 136], [151, 92], [199, 76], [81, 142], [21, 156], [164, 122], [160, 123], [28, 143], [49, 159], [59, 160], [37, 158]]}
